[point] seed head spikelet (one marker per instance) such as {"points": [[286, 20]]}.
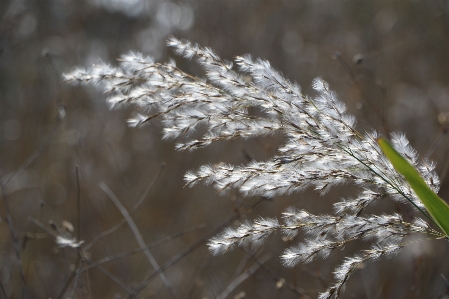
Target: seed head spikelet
{"points": [[322, 149]]}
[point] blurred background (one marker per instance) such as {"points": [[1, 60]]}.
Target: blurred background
{"points": [[387, 60]]}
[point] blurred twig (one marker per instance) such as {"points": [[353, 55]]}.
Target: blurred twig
{"points": [[121, 222], [112, 277], [443, 122], [80, 253], [446, 290], [77, 276], [445, 170], [119, 168], [184, 253], [60, 114], [365, 97], [13, 237], [41, 280], [78, 203], [3, 291], [138, 237], [197, 278], [242, 277], [36, 153], [241, 266], [79, 260], [191, 248], [34, 236], [82, 258], [299, 292], [134, 251], [436, 143]]}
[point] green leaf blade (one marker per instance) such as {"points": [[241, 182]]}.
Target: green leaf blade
{"points": [[437, 207]]}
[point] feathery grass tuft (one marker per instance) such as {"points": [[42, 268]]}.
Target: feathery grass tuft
{"points": [[322, 149]]}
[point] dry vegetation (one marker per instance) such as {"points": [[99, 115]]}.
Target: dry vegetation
{"points": [[387, 62]]}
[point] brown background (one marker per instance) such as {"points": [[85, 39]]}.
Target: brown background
{"points": [[401, 84]]}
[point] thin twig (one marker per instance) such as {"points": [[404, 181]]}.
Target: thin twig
{"points": [[79, 260], [242, 277], [42, 281], [33, 243], [354, 80], [70, 278], [77, 276], [112, 277], [198, 276], [191, 248], [3, 291], [275, 277], [78, 204], [38, 151], [13, 237], [42, 226], [108, 143], [147, 191], [137, 250], [240, 267], [59, 117], [61, 112], [444, 130], [445, 291], [184, 253], [316, 275], [56, 74], [79, 265], [136, 206], [138, 237], [436, 143]]}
